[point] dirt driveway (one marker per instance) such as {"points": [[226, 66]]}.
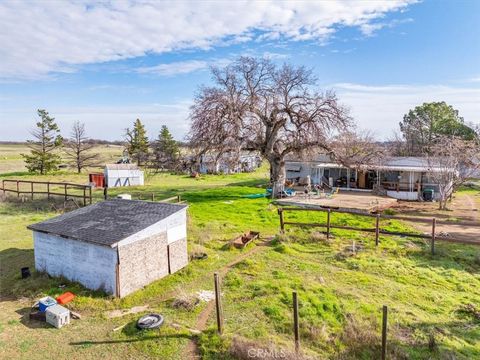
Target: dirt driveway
{"points": [[464, 209]]}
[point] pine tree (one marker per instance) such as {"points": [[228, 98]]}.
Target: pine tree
{"points": [[43, 157], [137, 142], [165, 150]]}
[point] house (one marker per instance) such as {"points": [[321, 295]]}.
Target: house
{"points": [[118, 246], [123, 175], [228, 163], [404, 178]]}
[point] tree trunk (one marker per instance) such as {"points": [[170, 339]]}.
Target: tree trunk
{"points": [[442, 203], [277, 174]]}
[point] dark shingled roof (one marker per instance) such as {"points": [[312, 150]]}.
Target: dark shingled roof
{"points": [[107, 222]]}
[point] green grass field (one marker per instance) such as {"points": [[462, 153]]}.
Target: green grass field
{"points": [[11, 159], [341, 294]]}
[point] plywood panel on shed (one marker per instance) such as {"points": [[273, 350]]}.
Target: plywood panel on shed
{"points": [[142, 262], [178, 255]]}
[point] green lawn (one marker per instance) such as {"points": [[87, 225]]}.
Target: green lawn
{"points": [[341, 294], [11, 159]]}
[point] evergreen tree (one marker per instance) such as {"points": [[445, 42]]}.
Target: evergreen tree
{"points": [[43, 157], [137, 142], [165, 150], [424, 125]]}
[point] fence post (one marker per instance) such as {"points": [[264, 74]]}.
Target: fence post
{"points": [[377, 229], [48, 190], [218, 304], [178, 198], [90, 194], [105, 193], [18, 190], [31, 189], [328, 223], [3, 187], [295, 322], [432, 244], [153, 196], [66, 196], [384, 332], [282, 223], [84, 196]]}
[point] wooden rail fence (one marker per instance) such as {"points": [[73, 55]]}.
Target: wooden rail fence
{"points": [[295, 321], [49, 189], [377, 230]]}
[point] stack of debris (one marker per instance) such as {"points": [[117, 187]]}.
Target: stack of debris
{"points": [[51, 310]]}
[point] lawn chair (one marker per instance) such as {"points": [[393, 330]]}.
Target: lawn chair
{"points": [[331, 193]]}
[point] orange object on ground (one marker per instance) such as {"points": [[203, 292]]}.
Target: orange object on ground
{"points": [[65, 298]]}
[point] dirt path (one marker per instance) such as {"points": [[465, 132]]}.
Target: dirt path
{"points": [[191, 351], [475, 214], [463, 208]]}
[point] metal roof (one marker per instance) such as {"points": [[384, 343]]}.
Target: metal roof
{"points": [[107, 222], [415, 164], [121, 167]]}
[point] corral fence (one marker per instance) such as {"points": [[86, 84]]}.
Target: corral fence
{"points": [[64, 189], [151, 197], [175, 199], [219, 312], [377, 230]]}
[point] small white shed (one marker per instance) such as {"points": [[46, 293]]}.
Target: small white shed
{"points": [[123, 175], [118, 246]]}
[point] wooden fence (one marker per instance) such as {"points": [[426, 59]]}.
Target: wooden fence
{"points": [[296, 317], [377, 230], [48, 188]]}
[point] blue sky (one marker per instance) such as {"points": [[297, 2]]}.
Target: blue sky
{"points": [[106, 64]]}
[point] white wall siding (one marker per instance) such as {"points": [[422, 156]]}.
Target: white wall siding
{"points": [[403, 195], [124, 177], [176, 233], [175, 223], [91, 265], [305, 169]]}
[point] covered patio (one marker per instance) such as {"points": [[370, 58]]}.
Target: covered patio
{"points": [[352, 200]]}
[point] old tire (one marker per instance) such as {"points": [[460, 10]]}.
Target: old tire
{"points": [[150, 321]]}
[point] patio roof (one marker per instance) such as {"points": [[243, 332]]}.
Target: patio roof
{"points": [[385, 167]]}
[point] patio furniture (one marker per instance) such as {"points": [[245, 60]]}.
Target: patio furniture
{"points": [[333, 192]]}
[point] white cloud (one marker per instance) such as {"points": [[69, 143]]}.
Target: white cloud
{"points": [[381, 108], [180, 67], [474, 79], [40, 37], [369, 29], [103, 122]]}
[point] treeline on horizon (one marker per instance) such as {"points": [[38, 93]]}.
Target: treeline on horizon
{"points": [[88, 141]]}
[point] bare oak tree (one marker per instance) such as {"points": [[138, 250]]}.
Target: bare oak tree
{"points": [[79, 150], [357, 149], [256, 105], [452, 161]]}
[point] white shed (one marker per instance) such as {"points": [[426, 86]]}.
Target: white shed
{"points": [[118, 246], [123, 175]]}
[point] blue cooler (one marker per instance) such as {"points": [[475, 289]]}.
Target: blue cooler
{"points": [[45, 302]]}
